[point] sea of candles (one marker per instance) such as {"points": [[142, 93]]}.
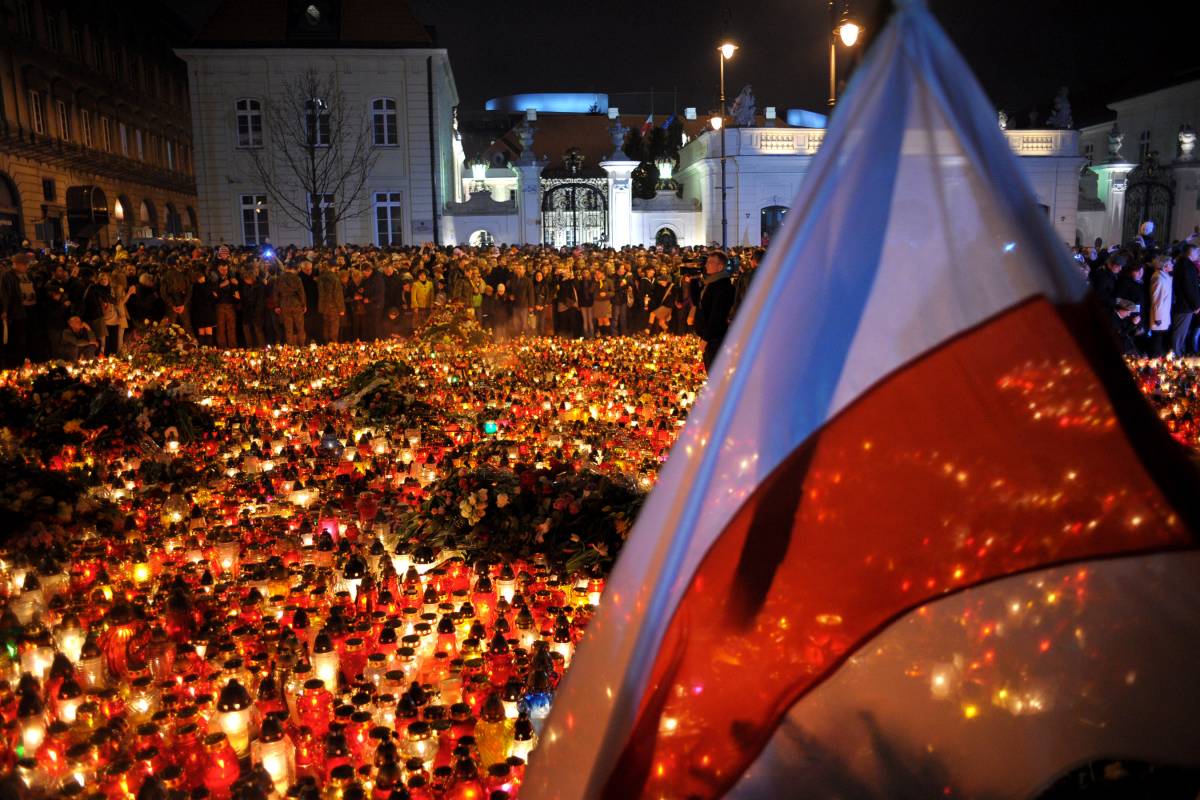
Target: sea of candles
{"points": [[249, 617]]}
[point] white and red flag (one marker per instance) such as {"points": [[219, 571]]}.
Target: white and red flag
{"points": [[921, 536]]}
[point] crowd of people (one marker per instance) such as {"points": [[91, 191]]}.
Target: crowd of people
{"points": [[1151, 292], [93, 302]]}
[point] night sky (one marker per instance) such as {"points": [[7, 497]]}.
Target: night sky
{"points": [[1021, 50]]}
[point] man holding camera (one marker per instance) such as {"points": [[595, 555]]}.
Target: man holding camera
{"points": [[716, 305]]}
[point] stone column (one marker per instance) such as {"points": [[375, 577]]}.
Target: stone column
{"points": [[529, 187], [1185, 173], [1111, 187], [620, 201]]}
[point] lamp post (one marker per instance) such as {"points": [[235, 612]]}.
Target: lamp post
{"points": [[726, 52], [848, 31]]}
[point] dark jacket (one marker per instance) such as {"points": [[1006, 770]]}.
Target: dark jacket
{"points": [[254, 302], [203, 308], [1185, 287], [309, 282], [95, 298], [520, 291], [226, 294], [175, 288], [375, 291], [716, 303], [1104, 287]]}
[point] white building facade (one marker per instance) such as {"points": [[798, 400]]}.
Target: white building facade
{"points": [[1143, 166], [765, 168], [401, 91]]}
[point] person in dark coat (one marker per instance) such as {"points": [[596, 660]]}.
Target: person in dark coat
{"points": [[312, 319], [254, 309], [203, 310], [716, 305], [1185, 293], [374, 299], [566, 302], [1104, 280]]}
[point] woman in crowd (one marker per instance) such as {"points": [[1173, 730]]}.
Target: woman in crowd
{"points": [[602, 309], [542, 305], [203, 309], [98, 306]]}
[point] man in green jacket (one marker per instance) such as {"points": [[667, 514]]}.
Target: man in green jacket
{"points": [[331, 303], [290, 305]]}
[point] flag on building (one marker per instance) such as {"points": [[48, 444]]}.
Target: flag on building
{"points": [[920, 536], [648, 125]]}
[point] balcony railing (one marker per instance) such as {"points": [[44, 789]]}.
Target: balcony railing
{"points": [[806, 142], [20, 141]]}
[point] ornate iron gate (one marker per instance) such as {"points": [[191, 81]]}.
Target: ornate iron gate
{"points": [[1148, 196], [574, 211]]}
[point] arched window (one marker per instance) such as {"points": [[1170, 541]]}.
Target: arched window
{"points": [[249, 123], [147, 219], [123, 216], [174, 221], [666, 239], [193, 224], [481, 238], [383, 122], [316, 122], [11, 231]]}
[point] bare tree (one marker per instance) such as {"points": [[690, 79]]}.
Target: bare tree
{"points": [[316, 142]]}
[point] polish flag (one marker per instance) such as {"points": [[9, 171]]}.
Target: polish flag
{"points": [[648, 125], [921, 536]]}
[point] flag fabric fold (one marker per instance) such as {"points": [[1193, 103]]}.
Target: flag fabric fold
{"points": [[911, 405]]}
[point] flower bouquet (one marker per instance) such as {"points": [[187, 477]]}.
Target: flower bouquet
{"points": [[453, 325], [499, 514], [37, 502]]}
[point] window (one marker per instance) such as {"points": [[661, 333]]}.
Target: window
{"points": [[64, 121], [37, 116], [52, 38], [388, 221], [77, 43], [24, 19], [323, 219], [85, 127], [1143, 146], [256, 220], [170, 154], [123, 134], [49, 190], [383, 115], [105, 135], [316, 122], [141, 145], [1088, 151], [98, 51], [249, 123]]}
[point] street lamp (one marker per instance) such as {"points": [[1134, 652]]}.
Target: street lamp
{"points": [[848, 31], [726, 50]]}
